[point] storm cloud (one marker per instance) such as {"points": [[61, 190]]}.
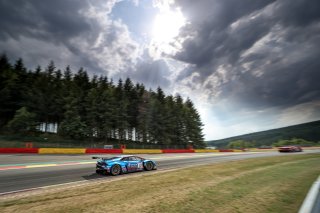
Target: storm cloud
{"points": [[258, 53], [153, 73], [76, 32]]}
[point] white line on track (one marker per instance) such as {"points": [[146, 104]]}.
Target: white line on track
{"points": [[162, 157]]}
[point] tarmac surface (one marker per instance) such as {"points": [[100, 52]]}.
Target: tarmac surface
{"points": [[27, 172]]}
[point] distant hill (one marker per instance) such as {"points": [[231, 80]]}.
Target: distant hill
{"points": [[308, 131]]}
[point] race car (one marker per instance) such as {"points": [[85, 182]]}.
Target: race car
{"points": [[123, 164], [290, 149]]}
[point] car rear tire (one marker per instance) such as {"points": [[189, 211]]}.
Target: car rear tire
{"points": [[115, 170], [148, 166]]}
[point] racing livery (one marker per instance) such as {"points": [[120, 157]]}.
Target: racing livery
{"points": [[123, 164]]}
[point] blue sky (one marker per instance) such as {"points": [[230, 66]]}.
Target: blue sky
{"points": [[247, 65], [137, 16]]}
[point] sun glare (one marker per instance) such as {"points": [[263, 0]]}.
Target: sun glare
{"points": [[167, 25]]}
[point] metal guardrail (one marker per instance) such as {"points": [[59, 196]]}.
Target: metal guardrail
{"points": [[311, 204]]}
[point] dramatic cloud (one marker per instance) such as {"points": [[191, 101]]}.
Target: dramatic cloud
{"points": [[253, 55], [153, 73], [248, 65], [79, 33]]}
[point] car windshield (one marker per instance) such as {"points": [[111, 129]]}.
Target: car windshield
{"points": [[111, 159]]}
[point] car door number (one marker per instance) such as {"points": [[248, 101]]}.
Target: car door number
{"points": [[132, 166]]}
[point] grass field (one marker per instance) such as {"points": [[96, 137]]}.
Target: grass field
{"points": [[274, 184]]}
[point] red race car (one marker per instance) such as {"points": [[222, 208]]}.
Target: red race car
{"points": [[290, 149]]}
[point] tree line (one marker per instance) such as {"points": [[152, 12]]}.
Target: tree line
{"points": [[308, 131], [295, 141], [240, 144], [93, 108]]}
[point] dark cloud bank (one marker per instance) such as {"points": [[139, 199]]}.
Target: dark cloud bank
{"points": [[78, 33], [257, 53]]}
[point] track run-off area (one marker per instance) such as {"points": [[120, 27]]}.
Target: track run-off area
{"points": [[29, 172]]}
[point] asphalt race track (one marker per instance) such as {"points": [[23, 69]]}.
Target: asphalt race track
{"points": [[23, 172]]}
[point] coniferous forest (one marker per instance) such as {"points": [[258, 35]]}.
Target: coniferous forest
{"points": [[93, 108]]}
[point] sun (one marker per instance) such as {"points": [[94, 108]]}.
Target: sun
{"points": [[166, 27]]}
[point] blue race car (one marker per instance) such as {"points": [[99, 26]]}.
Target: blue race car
{"points": [[123, 164]]}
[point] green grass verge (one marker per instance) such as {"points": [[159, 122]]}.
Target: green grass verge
{"points": [[274, 184]]}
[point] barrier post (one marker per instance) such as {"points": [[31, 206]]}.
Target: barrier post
{"points": [[29, 145]]}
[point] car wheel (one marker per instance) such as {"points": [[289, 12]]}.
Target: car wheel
{"points": [[115, 170], [148, 166]]}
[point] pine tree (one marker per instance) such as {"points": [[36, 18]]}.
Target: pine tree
{"points": [[41, 97], [143, 116], [170, 118], [80, 89], [99, 112], [158, 122], [72, 126], [23, 121], [193, 125], [121, 122], [132, 109], [7, 85]]}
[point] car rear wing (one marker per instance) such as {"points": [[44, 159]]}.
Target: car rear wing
{"points": [[95, 157]]}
